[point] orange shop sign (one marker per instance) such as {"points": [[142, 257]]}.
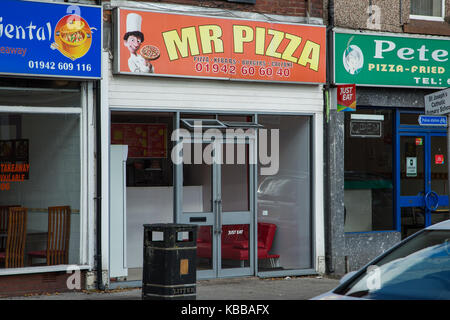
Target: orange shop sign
{"points": [[151, 43]]}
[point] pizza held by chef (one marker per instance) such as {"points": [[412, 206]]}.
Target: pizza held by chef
{"points": [[150, 52]]}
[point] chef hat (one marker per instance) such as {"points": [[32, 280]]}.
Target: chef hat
{"points": [[134, 22]]}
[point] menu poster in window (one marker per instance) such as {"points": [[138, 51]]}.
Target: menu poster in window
{"points": [[6, 150], [411, 166], [143, 140]]}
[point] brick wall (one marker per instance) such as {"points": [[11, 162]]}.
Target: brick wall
{"points": [[281, 7], [38, 283]]}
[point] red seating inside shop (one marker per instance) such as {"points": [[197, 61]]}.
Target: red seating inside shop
{"points": [[235, 241]]}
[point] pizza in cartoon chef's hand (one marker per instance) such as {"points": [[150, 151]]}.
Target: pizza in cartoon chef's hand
{"points": [[150, 52]]}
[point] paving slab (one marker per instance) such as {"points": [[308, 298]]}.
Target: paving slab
{"points": [[248, 288]]}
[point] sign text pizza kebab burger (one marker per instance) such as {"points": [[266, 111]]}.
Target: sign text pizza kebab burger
{"points": [[211, 34]]}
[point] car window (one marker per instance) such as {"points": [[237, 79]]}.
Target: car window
{"points": [[418, 269]]}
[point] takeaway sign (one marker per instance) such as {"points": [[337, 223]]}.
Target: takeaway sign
{"points": [[166, 44], [387, 60], [50, 39]]}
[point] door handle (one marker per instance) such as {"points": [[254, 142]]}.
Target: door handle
{"points": [[218, 222], [219, 216], [216, 210]]}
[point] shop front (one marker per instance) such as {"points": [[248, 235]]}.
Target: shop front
{"points": [[46, 145], [395, 168], [221, 127]]}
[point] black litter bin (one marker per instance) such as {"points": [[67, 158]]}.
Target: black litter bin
{"points": [[170, 262]]}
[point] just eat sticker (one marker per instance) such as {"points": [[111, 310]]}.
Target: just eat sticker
{"points": [[439, 159]]}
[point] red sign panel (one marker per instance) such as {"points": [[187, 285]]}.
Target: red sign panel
{"points": [[419, 141], [143, 140], [152, 43], [346, 97], [439, 159]]}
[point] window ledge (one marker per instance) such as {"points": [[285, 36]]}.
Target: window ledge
{"points": [[428, 18], [43, 269], [369, 232], [438, 28]]}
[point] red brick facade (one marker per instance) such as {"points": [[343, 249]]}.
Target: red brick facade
{"points": [[281, 7], [35, 283]]}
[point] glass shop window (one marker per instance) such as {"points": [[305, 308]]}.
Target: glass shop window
{"points": [[427, 9], [40, 189], [148, 136], [284, 197], [39, 93], [368, 178]]}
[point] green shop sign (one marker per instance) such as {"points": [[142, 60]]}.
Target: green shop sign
{"points": [[374, 59]]}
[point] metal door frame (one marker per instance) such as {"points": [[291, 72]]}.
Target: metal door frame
{"points": [[216, 219], [417, 201]]}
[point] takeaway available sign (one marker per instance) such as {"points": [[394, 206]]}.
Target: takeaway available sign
{"points": [[50, 39], [154, 44], [382, 60]]}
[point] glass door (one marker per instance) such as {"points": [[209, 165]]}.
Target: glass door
{"points": [[439, 177], [199, 204], [235, 209], [218, 197], [423, 196], [412, 183]]}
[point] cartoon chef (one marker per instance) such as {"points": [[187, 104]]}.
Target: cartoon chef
{"points": [[133, 39]]}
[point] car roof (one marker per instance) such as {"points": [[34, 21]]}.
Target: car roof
{"points": [[444, 225]]}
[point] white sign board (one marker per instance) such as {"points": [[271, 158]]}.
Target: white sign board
{"points": [[438, 102], [411, 166]]}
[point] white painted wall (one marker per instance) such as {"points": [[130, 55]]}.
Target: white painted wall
{"points": [[149, 205], [145, 92]]}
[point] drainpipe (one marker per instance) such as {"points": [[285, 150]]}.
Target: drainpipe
{"points": [[100, 285], [327, 100], [308, 10]]}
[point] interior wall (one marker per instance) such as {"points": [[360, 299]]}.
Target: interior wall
{"points": [[288, 204], [149, 205]]}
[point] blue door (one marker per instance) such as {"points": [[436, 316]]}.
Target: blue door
{"points": [[423, 184]]}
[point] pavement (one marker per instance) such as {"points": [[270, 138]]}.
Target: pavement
{"points": [[248, 288]]}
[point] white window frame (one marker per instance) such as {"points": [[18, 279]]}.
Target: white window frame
{"points": [[85, 113], [430, 18]]}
